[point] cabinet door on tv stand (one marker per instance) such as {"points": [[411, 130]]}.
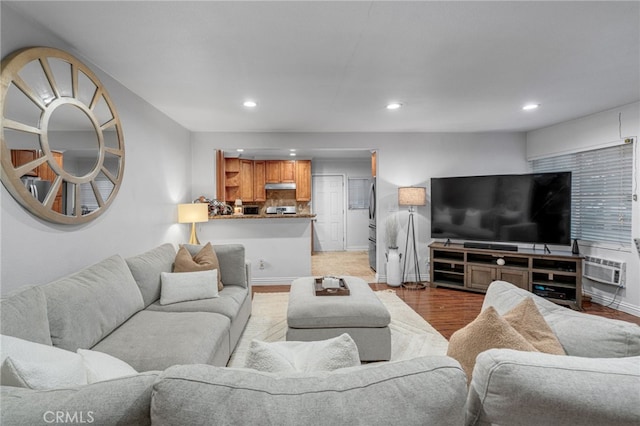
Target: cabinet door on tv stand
{"points": [[479, 277], [519, 278]]}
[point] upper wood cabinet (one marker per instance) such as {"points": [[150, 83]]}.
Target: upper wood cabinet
{"points": [[374, 164], [43, 171], [287, 171], [231, 179], [24, 156], [303, 180], [259, 179], [280, 171], [246, 180]]}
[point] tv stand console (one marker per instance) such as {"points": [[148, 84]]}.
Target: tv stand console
{"points": [[556, 277]]}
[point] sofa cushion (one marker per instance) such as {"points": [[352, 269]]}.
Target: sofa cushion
{"points": [[580, 334], [23, 314], [186, 286], [429, 390], [527, 320], [86, 306], [231, 258], [124, 401], [322, 355], [228, 303], [203, 260], [37, 366], [488, 330], [548, 389], [153, 340], [147, 267]]}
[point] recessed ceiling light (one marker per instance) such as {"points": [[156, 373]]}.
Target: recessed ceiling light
{"points": [[292, 154], [529, 107], [250, 104], [240, 150], [394, 105]]}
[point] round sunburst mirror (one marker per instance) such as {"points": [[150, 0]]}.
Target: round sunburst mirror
{"points": [[62, 144]]}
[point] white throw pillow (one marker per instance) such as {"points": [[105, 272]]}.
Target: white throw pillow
{"points": [[38, 366], [324, 355], [183, 286], [101, 366]]}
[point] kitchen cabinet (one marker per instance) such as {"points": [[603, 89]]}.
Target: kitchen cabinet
{"points": [[231, 179], [239, 180], [246, 180], [259, 179], [280, 171], [43, 171], [24, 156], [303, 180]]}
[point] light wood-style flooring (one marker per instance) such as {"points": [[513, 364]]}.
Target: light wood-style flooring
{"points": [[447, 310]]}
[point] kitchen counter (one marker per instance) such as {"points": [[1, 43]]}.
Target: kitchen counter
{"points": [[264, 216]]}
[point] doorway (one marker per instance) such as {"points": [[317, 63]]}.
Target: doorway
{"points": [[328, 206]]}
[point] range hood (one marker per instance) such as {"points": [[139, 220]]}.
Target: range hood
{"points": [[280, 186]]}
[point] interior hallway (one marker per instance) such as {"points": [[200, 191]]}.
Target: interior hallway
{"points": [[354, 263]]}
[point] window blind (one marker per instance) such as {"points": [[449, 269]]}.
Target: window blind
{"points": [[601, 191]]}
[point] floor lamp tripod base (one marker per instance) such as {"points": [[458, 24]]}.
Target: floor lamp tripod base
{"points": [[411, 233]]}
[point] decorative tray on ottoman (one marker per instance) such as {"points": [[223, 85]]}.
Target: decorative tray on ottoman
{"points": [[343, 290]]}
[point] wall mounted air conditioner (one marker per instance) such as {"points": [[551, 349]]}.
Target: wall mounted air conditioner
{"points": [[605, 271]]}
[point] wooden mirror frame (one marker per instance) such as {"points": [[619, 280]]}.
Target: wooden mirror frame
{"points": [[11, 175]]}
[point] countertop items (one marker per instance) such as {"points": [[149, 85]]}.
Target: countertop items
{"points": [[265, 216]]}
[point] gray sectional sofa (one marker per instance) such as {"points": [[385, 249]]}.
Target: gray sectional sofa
{"points": [[113, 307]]}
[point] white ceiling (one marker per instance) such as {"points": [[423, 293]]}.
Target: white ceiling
{"points": [[332, 66]]}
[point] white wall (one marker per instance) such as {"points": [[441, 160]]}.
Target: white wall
{"points": [[357, 220], [143, 215], [591, 132], [403, 159]]}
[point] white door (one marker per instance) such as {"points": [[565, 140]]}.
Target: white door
{"points": [[328, 205]]}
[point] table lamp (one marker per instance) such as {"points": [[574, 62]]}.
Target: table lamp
{"points": [[193, 213], [411, 196]]}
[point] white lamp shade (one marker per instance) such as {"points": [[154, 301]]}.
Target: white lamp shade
{"points": [[412, 196], [192, 213]]}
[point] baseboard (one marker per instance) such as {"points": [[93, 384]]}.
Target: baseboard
{"points": [[273, 281], [618, 305]]}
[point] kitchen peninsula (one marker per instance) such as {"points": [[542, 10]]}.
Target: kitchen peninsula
{"points": [[277, 245]]}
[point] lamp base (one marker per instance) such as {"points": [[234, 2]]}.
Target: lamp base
{"points": [[414, 286], [194, 237]]}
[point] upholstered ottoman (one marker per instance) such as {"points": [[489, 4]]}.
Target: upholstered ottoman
{"points": [[360, 314]]}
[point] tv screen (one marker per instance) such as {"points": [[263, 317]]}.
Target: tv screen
{"points": [[531, 208]]}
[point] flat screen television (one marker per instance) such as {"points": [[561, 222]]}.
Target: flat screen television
{"points": [[528, 208]]}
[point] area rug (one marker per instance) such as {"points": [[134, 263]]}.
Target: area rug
{"points": [[411, 335]]}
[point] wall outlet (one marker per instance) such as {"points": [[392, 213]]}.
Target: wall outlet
{"points": [[261, 264]]}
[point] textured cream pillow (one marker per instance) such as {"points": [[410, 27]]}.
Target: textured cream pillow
{"points": [[186, 286], [205, 260], [37, 366], [529, 322], [324, 355], [100, 366], [489, 330]]}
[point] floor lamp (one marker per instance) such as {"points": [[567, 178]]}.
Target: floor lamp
{"points": [[411, 196], [193, 213]]}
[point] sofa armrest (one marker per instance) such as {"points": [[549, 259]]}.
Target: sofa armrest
{"points": [[553, 389]]}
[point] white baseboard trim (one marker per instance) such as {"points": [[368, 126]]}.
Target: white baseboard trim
{"points": [[618, 305], [273, 281]]}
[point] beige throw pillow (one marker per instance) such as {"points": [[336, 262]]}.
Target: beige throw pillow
{"points": [[204, 260], [489, 330], [529, 322]]}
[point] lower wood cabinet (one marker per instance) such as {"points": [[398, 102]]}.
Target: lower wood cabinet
{"points": [[556, 277]]}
